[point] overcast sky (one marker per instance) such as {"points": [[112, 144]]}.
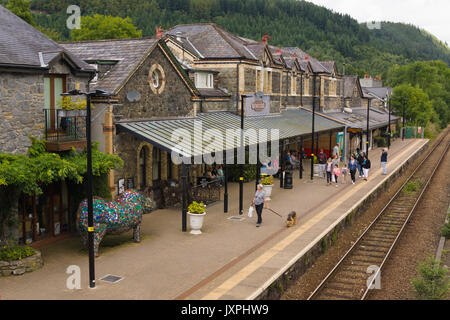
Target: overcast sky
{"points": [[431, 15]]}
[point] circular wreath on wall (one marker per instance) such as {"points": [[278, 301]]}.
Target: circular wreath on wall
{"points": [[156, 79]]}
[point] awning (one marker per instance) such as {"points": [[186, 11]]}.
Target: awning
{"points": [[290, 123], [358, 118]]}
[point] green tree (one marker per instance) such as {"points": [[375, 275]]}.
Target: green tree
{"points": [[105, 27], [418, 107], [22, 9], [51, 33]]}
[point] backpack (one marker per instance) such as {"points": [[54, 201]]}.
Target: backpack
{"points": [[368, 164]]}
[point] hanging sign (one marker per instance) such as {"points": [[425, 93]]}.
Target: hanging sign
{"points": [[257, 105]]}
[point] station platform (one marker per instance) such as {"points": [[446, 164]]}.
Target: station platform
{"points": [[232, 259]]}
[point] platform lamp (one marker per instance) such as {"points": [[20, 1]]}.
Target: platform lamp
{"points": [[89, 94]]}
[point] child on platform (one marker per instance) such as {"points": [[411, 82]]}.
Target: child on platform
{"points": [[336, 173], [344, 173]]}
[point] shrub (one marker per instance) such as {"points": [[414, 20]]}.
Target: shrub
{"points": [[267, 181], [12, 253], [197, 208], [432, 283], [381, 141], [445, 230], [411, 186]]}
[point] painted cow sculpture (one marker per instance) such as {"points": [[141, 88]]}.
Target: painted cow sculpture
{"points": [[113, 217]]}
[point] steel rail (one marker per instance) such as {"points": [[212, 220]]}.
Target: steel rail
{"points": [[377, 218]]}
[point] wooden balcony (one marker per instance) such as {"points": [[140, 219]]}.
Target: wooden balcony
{"points": [[65, 130]]}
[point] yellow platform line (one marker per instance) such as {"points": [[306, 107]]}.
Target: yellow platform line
{"points": [[267, 255]]}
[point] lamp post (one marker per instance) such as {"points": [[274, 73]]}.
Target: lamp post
{"points": [[312, 127], [368, 128], [241, 166], [89, 94], [389, 126]]}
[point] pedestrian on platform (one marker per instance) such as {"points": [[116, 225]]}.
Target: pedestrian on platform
{"points": [[352, 166], [336, 173], [384, 156], [322, 157], [366, 167], [337, 154], [344, 173], [329, 170], [360, 160], [258, 202]]}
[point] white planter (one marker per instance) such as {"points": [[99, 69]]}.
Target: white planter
{"points": [[196, 222], [316, 170], [268, 191]]}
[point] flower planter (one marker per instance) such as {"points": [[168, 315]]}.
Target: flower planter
{"points": [[71, 113], [267, 190], [196, 222], [19, 267]]}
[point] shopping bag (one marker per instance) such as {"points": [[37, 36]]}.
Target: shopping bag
{"points": [[250, 212], [332, 178]]}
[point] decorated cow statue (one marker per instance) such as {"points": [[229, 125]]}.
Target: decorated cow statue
{"points": [[113, 217]]}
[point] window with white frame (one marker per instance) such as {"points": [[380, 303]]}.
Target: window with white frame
{"points": [[204, 80]]}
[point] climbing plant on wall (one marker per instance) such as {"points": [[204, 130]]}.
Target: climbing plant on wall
{"points": [[27, 173]]}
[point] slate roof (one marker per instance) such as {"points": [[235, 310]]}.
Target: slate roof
{"points": [[358, 118], [316, 65], [209, 41], [22, 45], [381, 93], [127, 53], [349, 85]]}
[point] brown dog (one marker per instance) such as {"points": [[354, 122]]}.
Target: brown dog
{"points": [[291, 219]]}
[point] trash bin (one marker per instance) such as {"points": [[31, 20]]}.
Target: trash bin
{"points": [[288, 180]]}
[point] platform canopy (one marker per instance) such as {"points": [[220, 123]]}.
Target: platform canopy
{"points": [[290, 123]]}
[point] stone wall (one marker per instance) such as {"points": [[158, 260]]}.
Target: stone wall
{"points": [[22, 106], [19, 267], [175, 100]]}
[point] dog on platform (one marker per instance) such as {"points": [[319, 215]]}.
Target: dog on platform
{"points": [[291, 219]]}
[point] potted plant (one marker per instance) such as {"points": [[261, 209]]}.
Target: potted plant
{"points": [[70, 107], [267, 182], [197, 212]]}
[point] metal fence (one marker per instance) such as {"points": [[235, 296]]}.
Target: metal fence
{"points": [[65, 125], [206, 192]]}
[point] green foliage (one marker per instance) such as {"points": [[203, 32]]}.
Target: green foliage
{"points": [[432, 282], [381, 141], [317, 30], [411, 186], [197, 208], [416, 103], [267, 180], [249, 172], [445, 230], [21, 8], [12, 253], [324, 244], [51, 33], [71, 103], [28, 173], [105, 27], [432, 78]]}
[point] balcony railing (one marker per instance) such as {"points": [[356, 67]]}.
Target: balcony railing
{"points": [[65, 129]]}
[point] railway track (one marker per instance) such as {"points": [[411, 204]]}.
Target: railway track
{"points": [[358, 271]]}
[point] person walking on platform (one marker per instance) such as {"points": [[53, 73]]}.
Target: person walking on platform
{"points": [[344, 173], [336, 153], [360, 160], [322, 157], [329, 170], [366, 167], [384, 156], [352, 166], [336, 173], [258, 202]]}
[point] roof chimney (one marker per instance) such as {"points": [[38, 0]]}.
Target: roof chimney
{"points": [[278, 51], [265, 38], [159, 32], [307, 57]]}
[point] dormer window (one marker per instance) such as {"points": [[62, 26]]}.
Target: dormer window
{"points": [[204, 80]]}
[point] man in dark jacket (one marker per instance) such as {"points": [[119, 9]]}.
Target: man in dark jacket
{"points": [[322, 159], [360, 163], [384, 156]]}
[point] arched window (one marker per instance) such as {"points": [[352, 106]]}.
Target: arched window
{"points": [[143, 167], [156, 164]]}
